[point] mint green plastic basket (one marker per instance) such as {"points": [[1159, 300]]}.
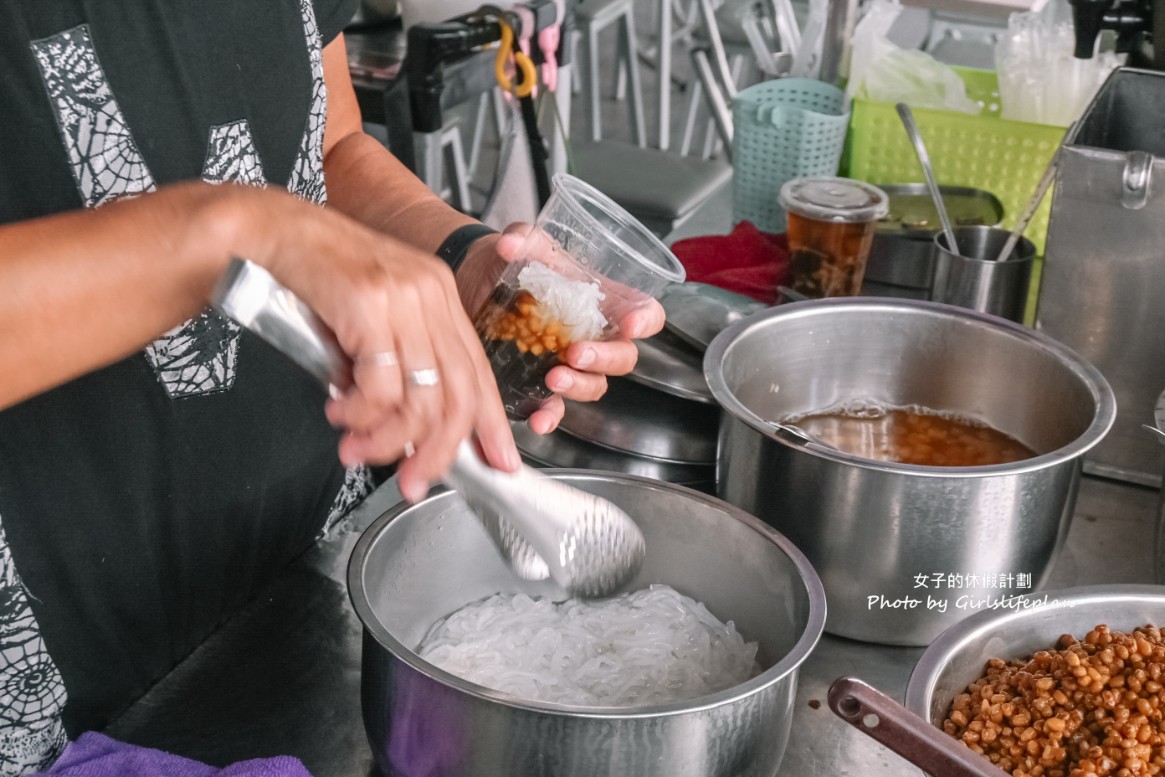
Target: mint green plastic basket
{"points": [[782, 129], [1006, 158]]}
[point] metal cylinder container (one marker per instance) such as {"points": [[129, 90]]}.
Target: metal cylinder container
{"points": [[419, 563], [978, 278], [905, 551], [1159, 538]]}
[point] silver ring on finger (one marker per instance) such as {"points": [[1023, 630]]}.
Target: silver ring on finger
{"points": [[425, 377], [409, 449], [378, 359]]}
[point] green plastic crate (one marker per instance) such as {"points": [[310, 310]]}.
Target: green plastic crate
{"points": [[1006, 158]]}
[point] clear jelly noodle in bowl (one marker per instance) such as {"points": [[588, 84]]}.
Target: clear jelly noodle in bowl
{"points": [[586, 264]]}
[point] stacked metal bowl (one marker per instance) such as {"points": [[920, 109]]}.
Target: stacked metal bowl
{"points": [[658, 422]]}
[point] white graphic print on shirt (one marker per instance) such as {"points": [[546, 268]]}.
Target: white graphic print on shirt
{"points": [[200, 356], [31, 691], [195, 359], [105, 160], [307, 177]]}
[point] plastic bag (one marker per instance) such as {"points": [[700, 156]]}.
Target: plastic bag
{"points": [[1039, 43], [882, 71]]}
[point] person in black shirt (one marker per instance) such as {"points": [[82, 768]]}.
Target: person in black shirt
{"points": [[157, 464]]}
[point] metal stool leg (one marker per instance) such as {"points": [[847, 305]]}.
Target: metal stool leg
{"points": [[695, 96], [631, 62], [591, 88], [664, 72], [455, 169]]}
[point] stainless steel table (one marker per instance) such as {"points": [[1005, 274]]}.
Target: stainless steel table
{"points": [[284, 676]]}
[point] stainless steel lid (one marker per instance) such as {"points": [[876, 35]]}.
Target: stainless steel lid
{"points": [[636, 419], [559, 449], [670, 365], [913, 214], [697, 312]]}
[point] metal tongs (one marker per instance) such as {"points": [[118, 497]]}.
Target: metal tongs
{"points": [[544, 528]]}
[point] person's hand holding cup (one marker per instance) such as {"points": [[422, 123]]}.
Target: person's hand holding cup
{"points": [[586, 269]]}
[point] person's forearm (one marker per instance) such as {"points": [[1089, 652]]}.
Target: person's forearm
{"points": [[366, 182], [85, 288], [369, 184]]}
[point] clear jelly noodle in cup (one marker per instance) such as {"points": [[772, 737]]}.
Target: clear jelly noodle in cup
{"points": [[586, 264], [831, 224]]}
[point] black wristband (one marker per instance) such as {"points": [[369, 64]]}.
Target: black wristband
{"points": [[456, 246]]}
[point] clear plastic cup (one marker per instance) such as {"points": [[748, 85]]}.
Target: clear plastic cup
{"points": [[831, 224], [586, 264]]}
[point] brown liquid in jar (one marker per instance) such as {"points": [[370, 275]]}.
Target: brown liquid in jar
{"points": [[915, 436], [827, 259]]}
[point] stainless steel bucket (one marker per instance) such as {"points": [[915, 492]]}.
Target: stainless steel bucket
{"points": [[977, 278], [1104, 269], [905, 551], [418, 563], [1159, 539]]}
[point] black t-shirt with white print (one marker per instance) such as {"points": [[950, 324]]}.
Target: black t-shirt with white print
{"points": [[142, 504]]}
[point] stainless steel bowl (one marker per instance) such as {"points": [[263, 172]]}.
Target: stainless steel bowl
{"points": [[1015, 630], [875, 530], [418, 563], [902, 252], [560, 450]]}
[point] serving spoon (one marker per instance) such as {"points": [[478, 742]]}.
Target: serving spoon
{"points": [[915, 136], [798, 436], [543, 528], [910, 736], [1037, 197]]}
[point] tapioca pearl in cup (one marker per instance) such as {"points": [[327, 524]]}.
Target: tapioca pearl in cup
{"points": [[525, 325]]}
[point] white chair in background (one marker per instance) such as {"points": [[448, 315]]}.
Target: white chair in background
{"points": [[591, 18], [661, 188], [737, 44]]}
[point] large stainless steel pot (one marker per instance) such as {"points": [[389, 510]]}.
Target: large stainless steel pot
{"points": [[419, 563], [898, 545]]}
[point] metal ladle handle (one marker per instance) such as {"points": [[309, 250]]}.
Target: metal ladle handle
{"points": [[885, 720], [915, 136], [1037, 197]]}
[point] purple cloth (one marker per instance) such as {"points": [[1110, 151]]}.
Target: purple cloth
{"points": [[96, 755]]}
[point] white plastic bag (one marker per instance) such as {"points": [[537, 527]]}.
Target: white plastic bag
{"points": [[882, 71]]}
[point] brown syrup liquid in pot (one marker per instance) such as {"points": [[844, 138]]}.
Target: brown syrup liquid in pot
{"points": [[914, 436]]}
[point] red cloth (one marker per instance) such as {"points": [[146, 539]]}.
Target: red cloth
{"points": [[746, 261]]}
